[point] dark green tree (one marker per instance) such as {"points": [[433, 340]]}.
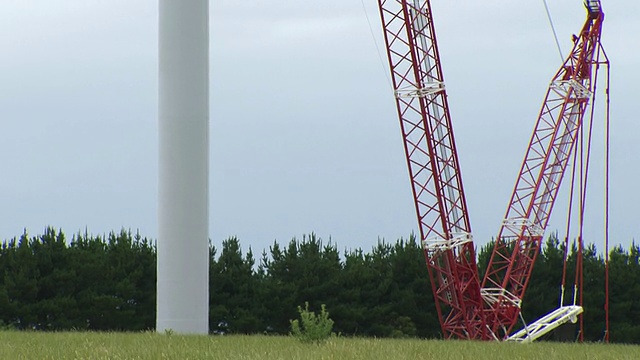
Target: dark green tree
{"points": [[232, 290]]}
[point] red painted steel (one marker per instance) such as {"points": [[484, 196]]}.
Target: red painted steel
{"points": [[436, 182], [433, 166], [551, 144], [606, 207]]}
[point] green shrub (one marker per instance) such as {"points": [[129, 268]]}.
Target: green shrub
{"points": [[312, 328], [5, 327]]}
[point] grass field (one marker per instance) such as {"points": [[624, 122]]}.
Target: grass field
{"points": [[36, 345]]}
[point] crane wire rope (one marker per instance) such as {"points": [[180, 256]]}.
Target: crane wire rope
{"points": [[584, 165], [568, 228], [373, 38], [579, 280], [553, 28], [606, 196]]}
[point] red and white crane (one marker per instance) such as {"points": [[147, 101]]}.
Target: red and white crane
{"points": [[432, 160], [553, 140], [466, 309]]}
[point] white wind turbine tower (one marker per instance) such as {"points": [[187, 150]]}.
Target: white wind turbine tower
{"points": [[183, 198]]}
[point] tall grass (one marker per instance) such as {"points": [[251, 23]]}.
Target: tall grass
{"points": [[37, 345]]}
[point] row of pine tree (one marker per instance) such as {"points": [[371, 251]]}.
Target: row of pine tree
{"points": [[107, 283]]}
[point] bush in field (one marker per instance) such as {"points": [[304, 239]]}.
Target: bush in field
{"points": [[6, 327], [312, 328]]}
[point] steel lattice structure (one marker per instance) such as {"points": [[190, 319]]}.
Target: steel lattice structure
{"points": [[538, 182], [465, 309], [432, 160]]}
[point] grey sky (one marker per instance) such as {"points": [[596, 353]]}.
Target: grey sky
{"points": [[304, 134]]}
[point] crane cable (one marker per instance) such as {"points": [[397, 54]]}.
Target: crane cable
{"points": [[565, 256], [583, 172], [606, 196], [553, 28], [375, 42]]}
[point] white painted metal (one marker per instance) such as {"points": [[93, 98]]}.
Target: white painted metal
{"points": [[547, 323], [579, 90], [516, 224], [493, 295], [441, 244], [183, 244], [413, 92]]}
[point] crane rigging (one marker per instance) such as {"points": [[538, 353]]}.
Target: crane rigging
{"points": [[466, 307]]}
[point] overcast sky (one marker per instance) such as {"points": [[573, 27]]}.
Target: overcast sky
{"points": [[304, 133]]}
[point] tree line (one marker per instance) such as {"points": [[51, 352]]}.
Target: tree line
{"points": [[108, 283]]}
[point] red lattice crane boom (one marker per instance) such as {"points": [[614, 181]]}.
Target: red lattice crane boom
{"points": [[433, 165], [465, 309], [554, 137]]}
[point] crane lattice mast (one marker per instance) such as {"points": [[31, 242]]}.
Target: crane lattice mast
{"points": [[432, 160], [554, 137], [465, 309]]}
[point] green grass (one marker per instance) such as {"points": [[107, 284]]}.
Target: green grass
{"points": [[37, 345]]}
